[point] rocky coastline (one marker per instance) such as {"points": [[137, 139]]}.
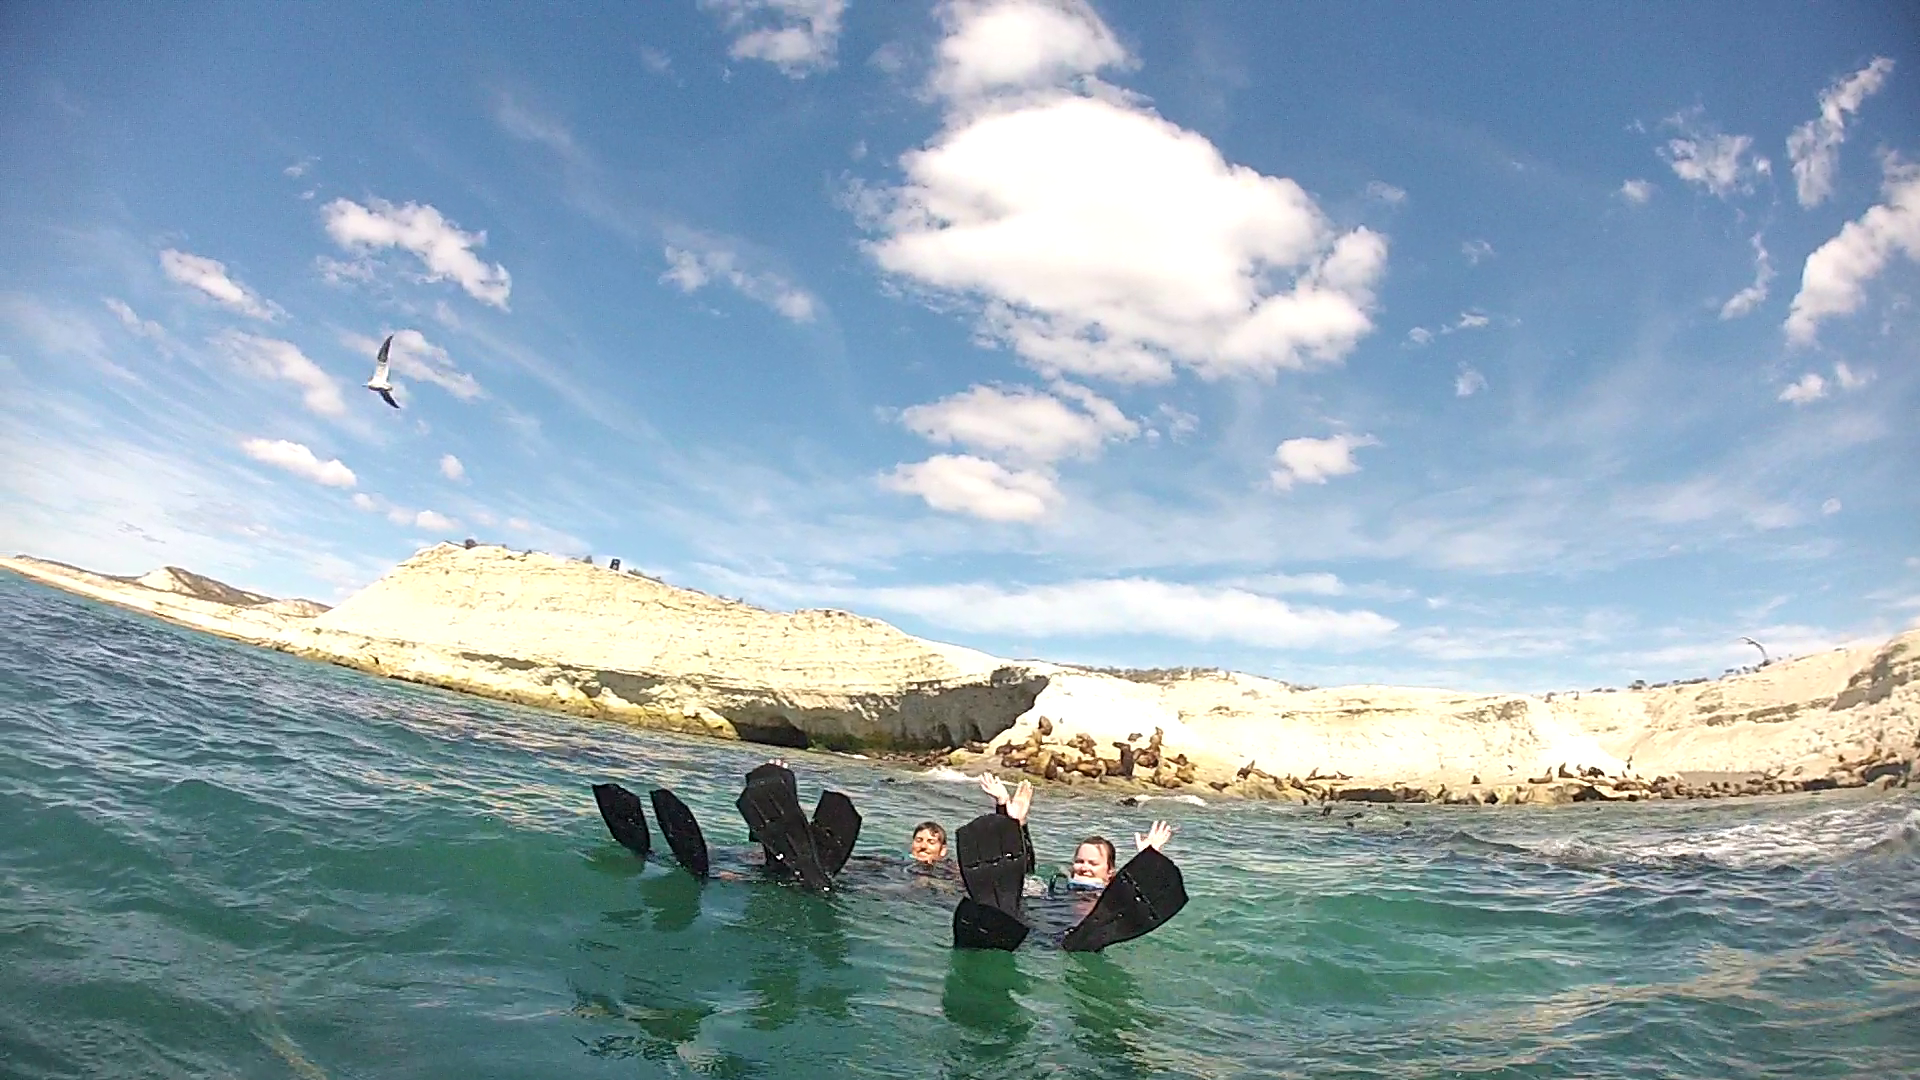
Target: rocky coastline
{"points": [[571, 636]]}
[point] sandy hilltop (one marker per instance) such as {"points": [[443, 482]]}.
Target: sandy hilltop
{"points": [[563, 634]]}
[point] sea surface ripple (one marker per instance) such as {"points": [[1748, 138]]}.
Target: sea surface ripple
{"points": [[222, 861]]}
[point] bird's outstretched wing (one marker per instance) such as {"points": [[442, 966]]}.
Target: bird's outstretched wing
{"points": [[387, 396]]}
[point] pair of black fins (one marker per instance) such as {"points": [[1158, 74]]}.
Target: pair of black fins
{"points": [[809, 851], [996, 856]]}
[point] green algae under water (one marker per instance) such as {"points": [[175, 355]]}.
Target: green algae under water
{"points": [[221, 861]]}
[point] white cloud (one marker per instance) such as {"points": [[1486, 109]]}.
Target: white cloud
{"points": [[1104, 241], [1469, 320], [414, 357], [1385, 192], [283, 360], [1850, 379], [1001, 45], [796, 36], [1637, 192], [1476, 250], [1131, 607], [364, 501], [451, 468], [1313, 461], [300, 461], [964, 484], [210, 277], [1718, 163], [299, 168], [1811, 387], [1744, 301], [1472, 320], [522, 123], [145, 328], [1021, 425], [1834, 279], [700, 260], [655, 60], [446, 251], [1096, 238], [1830, 507], [428, 519], [1469, 382], [1814, 146], [1420, 335]]}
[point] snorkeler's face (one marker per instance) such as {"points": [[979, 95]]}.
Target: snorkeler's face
{"points": [[928, 847], [1090, 864]]}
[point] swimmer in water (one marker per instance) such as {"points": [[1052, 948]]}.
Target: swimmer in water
{"points": [[1095, 861], [929, 843]]}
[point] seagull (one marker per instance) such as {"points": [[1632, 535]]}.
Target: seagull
{"points": [[379, 383]]}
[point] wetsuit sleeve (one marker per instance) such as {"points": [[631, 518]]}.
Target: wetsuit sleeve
{"points": [[1026, 839]]}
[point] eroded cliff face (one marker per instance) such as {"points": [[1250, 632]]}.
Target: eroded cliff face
{"points": [[544, 630]]}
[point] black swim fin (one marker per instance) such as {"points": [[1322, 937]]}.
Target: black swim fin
{"points": [[769, 773], [683, 834], [773, 815], [993, 860], [836, 825], [620, 809], [980, 926], [1143, 895]]}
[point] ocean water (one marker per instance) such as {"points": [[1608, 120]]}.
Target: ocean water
{"points": [[218, 861]]}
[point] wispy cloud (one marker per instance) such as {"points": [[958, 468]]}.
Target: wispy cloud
{"points": [[283, 360], [695, 260], [1744, 301], [1637, 192], [1721, 165], [796, 36], [210, 277], [1814, 146]]}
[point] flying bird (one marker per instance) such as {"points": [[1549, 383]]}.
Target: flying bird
{"points": [[379, 383]]}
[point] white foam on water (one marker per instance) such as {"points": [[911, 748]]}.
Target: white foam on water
{"points": [[1193, 800], [1818, 837], [945, 775]]}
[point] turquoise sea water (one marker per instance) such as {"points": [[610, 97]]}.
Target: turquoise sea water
{"points": [[221, 861]]}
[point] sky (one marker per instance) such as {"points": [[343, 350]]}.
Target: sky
{"points": [[1489, 346]]}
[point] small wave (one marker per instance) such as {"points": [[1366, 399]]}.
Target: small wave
{"points": [[944, 775]]}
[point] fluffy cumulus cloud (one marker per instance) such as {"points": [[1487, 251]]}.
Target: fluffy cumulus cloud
{"points": [[695, 261], [994, 46], [1719, 164], [1637, 192], [964, 484], [440, 245], [1469, 382], [1098, 239], [210, 277], [1834, 280], [1314, 461], [275, 359], [428, 519], [451, 468], [1744, 301], [1814, 147], [297, 459], [1021, 425], [1133, 606], [796, 36]]}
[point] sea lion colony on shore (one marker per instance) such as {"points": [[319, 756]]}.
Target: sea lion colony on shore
{"points": [[1078, 760]]}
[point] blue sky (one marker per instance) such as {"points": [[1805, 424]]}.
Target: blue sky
{"points": [[1490, 346]]}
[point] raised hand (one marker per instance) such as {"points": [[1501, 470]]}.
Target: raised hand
{"points": [[994, 787], [1021, 802], [1156, 837]]}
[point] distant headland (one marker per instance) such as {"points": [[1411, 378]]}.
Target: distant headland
{"points": [[566, 634]]}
